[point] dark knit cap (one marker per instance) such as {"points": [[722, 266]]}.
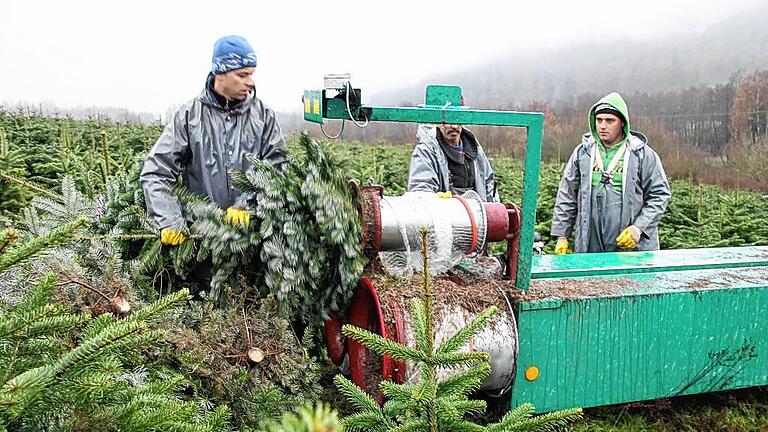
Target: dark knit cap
{"points": [[605, 108]]}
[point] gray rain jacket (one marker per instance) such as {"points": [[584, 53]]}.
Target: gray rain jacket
{"points": [[203, 142], [429, 167], [645, 193]]}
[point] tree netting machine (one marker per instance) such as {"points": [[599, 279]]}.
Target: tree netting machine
{"points": [[579, 330]]}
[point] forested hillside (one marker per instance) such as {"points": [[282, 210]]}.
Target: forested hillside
{"points": [[730, 49], [699, 97]]}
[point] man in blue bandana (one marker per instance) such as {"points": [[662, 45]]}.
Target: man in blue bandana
{"points": [[209, 136]]}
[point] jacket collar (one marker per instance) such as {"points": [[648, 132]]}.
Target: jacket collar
{"points": [[428, 134], [637, 140], [214, 100]]}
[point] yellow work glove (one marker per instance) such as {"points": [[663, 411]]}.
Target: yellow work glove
{"points": [[172, 237], [444, 195], [561, 248], [237, 216], [628, 238]]}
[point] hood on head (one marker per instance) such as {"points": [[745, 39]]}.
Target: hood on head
{"points": [[426, 132], [616, 101]]}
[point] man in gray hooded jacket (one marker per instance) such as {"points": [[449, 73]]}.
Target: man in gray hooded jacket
{"points": [[209, 136], [449, 158], [614, 190]]}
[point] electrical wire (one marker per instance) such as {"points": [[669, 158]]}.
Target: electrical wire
{"points": [[322, 129], [349, 112], [349, 90]]}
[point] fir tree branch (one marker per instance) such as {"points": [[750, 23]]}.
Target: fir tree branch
{"points": [[513, 417], [150, 257], [418, 321], [160, 305], [411, 425], [92, 347], [464, 382], [426, 296], [459, 359], [38, 296], [23, 389], [358, 398], [382, 345], [55, 324], [425, 391], [306, 419], [30, 186], [217, 420], [125, 237], [447, 411], [396, 391], [549, 421], [463, 426], [365, 422], [429, 371], [470, 407], [7, 236], [16, 323], [22, 252], [397, 408], [463, 336]]}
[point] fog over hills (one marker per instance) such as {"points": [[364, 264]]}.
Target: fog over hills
{"points": [[736, 46]]}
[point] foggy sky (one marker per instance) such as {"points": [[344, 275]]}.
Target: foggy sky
{"points": [[149, 55]]}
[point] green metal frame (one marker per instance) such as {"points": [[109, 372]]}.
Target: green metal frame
{"points": [[443, 105]]}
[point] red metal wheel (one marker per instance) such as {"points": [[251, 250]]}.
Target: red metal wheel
{"points": [[334, 340], [367, 368]]}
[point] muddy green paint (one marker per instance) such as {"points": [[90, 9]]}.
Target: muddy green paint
{"points": [[643, 336], [592, 264], [443, 96]]}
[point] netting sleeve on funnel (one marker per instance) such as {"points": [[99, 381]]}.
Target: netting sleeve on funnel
{"points": [[452, 231], [440, 238], [396, 262]]}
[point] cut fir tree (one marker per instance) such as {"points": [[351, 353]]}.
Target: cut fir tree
{"points": [[435, 404]]}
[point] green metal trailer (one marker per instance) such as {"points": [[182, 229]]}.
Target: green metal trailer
{"points": [[623, 327], [609, 328]]}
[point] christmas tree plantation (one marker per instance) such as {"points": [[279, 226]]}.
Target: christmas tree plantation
{"points": [[61, 370]]}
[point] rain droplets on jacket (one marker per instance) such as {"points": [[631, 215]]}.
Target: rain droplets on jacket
{"points": [[203, 141]]}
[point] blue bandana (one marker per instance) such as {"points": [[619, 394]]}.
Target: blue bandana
{"points": [[231, 53]]}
